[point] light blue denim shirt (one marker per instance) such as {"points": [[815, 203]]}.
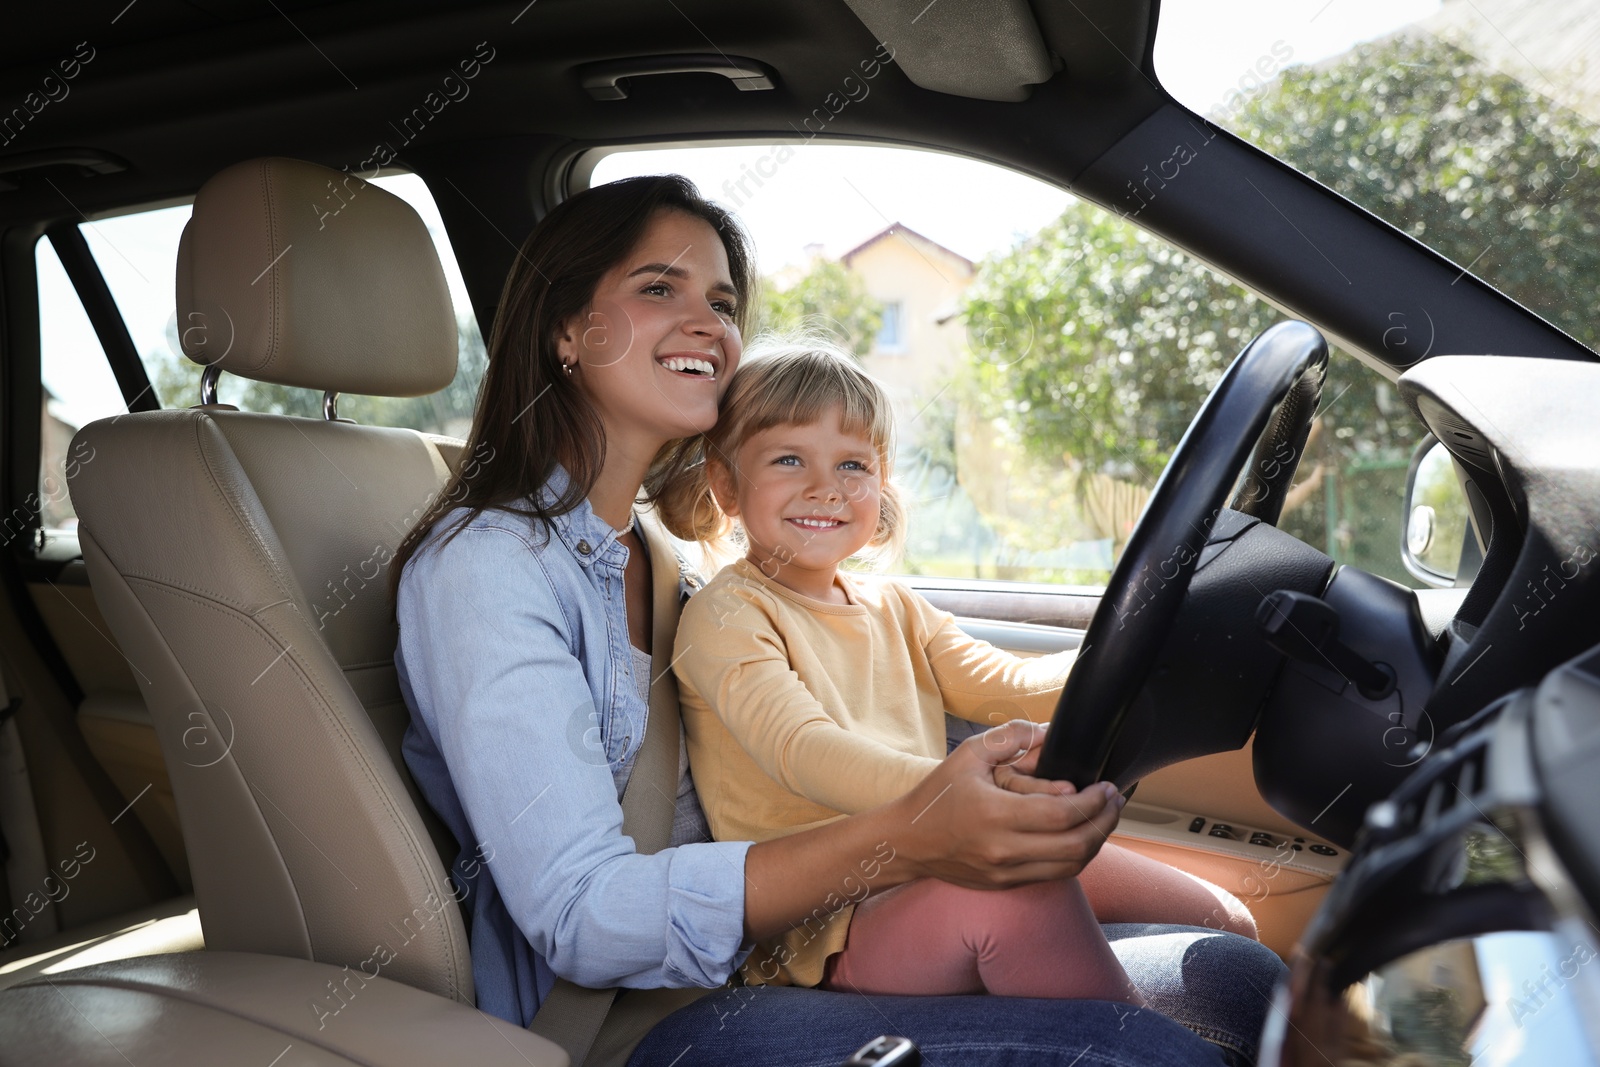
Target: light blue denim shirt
{"points": [[513, 656]]}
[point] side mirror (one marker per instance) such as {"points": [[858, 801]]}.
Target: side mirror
{"points": [[1437, 526]]}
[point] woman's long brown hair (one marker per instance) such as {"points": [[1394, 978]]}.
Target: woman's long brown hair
{"points": [[530, 416]]}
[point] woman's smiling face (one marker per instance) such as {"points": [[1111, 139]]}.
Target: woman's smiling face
{"points": [[658, 343]]}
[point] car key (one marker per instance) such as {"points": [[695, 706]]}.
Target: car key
{"points": [[886, 1051]]}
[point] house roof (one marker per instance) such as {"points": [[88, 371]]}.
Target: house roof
{"points": [[896, 228]]}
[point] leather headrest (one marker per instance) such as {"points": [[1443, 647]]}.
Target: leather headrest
{"points": [[297, 274]]}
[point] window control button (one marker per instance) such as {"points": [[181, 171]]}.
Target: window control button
{"points": [[1198, 824], [1324, 850]]}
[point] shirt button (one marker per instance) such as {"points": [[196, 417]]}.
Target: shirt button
{"points": [[583, 547]]}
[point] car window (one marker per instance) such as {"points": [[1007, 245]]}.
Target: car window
{"points": [[78, 387], [1044, 356], [138, 252], [1474, 127]]}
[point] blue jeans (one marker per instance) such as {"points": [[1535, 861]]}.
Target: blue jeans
{"points": [[1217, 985]]}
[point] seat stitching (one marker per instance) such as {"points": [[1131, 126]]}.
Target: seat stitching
{"points": [[323, 705], [247, 527], [359, 757], [130, 571]]}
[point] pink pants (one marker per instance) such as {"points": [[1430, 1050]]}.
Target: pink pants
{"points": [[931, 938]]}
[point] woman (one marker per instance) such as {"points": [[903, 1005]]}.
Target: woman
{"points": [[528, 598]]}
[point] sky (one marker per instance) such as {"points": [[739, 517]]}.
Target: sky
{"points": [[835, 196], [1204, 48], [1539, 1023]]}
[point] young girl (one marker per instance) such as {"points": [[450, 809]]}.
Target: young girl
{"points": [[809, 694]]}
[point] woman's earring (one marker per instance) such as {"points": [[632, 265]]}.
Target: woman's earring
{"points": [[568, 368]]}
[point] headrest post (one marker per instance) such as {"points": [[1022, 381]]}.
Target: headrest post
{"points": [[208, 384], [330, 405]]}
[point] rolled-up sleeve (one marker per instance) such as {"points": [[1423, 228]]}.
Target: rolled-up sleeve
{"points": [[985, 684], [493, 657]]}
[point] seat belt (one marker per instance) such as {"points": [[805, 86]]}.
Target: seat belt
{"points": [[572, 1015]]}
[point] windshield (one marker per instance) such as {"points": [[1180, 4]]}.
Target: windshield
{"points": [[1472, 125], [1043, 356]]}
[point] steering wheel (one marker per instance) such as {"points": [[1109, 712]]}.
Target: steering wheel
{"points": [[1277, 379]]}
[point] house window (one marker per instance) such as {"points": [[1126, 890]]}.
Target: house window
{"points": [[890, 336]]}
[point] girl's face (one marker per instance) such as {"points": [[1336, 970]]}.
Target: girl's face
{"points": [[808, 497], [658, 344]]}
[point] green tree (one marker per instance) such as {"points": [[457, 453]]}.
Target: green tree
{"points": [[1099, 340], [1430, 1022], [1476, 164], [829, 298], [1094, 343]]}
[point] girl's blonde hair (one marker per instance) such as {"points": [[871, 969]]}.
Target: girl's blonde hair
{"points": [[781, 381]]}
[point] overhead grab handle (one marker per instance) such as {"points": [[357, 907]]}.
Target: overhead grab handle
{"points": [[609, 80]]}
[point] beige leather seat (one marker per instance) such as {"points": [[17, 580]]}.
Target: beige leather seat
{"points": [[170, 926], [203, 1008], [241, 561]]}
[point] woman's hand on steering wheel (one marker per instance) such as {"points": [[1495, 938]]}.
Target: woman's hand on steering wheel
{"points": [[981, 820]]}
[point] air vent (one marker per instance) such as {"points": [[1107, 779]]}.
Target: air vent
{"points": [[1462, 440], [1457, 785], [1434, 793]]}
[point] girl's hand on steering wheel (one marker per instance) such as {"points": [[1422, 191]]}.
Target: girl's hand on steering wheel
{"points": [[982, 820]]}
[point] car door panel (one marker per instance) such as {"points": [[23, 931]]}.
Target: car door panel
{"points": [[112, 717]]}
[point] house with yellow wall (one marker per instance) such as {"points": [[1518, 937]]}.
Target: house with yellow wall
{"points": [[920, 284], [996, 513]]}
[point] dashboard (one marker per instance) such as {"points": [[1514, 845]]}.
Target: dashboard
{"points": [[1526, 441], [1332, 740]]}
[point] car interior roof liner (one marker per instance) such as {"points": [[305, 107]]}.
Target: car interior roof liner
{"points": [[1105, 42], [983, 49]]}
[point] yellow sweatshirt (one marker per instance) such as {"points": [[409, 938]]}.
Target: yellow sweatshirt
{"points": [[798, 713]]}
